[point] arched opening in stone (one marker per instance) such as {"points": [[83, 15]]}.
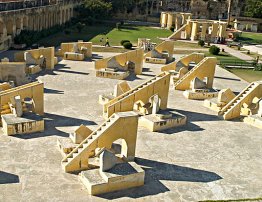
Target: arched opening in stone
{"points": [[10, 27], [25, 22], [120, 148]]}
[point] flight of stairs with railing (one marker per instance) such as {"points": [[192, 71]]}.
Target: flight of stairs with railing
{"points": [[177, 31], [233, 108], [191, 74], [73, 161], [134, 90], [103, 137]]}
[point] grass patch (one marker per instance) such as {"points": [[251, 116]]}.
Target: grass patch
{"points": [[109, 49], [251, 37], [132, 33], [182, 44], [226, 58], [248, 75], [87, 34], [95, 33]]}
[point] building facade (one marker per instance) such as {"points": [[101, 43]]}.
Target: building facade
{"points": [[34, 15]]}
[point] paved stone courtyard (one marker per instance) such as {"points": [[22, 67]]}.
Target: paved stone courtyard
{"points": [[207, 159]]}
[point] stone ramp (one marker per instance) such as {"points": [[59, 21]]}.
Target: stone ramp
{"points": [[233, 109]]}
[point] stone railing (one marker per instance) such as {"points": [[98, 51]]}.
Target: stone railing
{"points": [[22, 4]]}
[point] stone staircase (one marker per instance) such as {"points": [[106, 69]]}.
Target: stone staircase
{"points": [[233, 108], [134, 92], [103, 137], [177, 32], [205, 68]]}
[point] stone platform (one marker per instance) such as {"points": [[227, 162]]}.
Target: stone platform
{"points": [[121, 176], [29, 123], [162, 121], [254, 120], [155, 60], [120, 75], [213, 104], [200, 95]]}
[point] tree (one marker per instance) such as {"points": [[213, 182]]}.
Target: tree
{"points": [[96, 9], [79, 27], [253, 8]]}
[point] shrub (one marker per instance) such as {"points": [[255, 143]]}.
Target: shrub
{"points": [[123, 41], [89, 20], [258, 67], [118, 26], [80, 26], [67, 31], [201, 43], [214, 50], [172, 28], [128, 45]]}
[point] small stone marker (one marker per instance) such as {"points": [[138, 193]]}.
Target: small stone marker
{"points": [[107, 160]]}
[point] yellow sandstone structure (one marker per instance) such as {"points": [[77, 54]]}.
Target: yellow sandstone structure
{"points": [[161, 54], [224, 97], [139, 96], [198, 82], [13, 72], [160, 120], [103, 169], [16, 16], [119, 89], [203, 70], [247, 103], [121, 65], [207, 30], [174, 19], [35, 59], [75, 50], [21, 107], [181, 66]]}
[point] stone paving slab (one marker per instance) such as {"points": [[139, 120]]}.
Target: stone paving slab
{"points": [[208, 158]]}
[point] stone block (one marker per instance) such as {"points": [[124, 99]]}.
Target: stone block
{"points": [[189, 94], [254, 120], [162, 121], [65, 146], [74, 56], [155, 60], [80, 134], [120, 75], [107, 160], [29, 123], [120, 177]]}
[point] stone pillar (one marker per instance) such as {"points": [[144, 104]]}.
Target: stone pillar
{"points": [[188, 30], [72, 12], [222, 30], [164, 19], [194, 31], [204, 31], [179, 22], [169, 20], [214, 32]]}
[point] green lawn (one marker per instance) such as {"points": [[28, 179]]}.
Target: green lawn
{"points": [[95, 33], [226, 58], [132, 33], [247, 74], [251, 37]]}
